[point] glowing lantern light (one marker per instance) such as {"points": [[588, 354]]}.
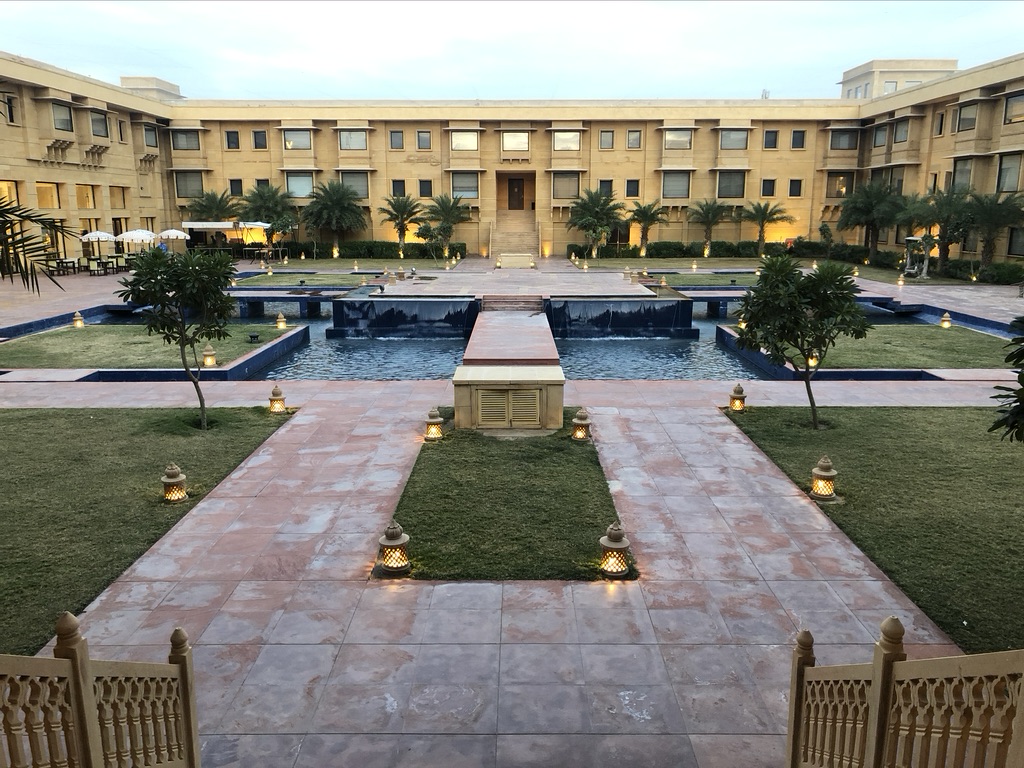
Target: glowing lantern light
{"points": [[614, 552], [174, 484], [394, 557], [284, 261], [302, 255], [77, 320], [737, 400], [209, 356], [276, 400], [585, 266], [434, 422], [812, 360], [946, 320], [581, 425], [334, 252], [856, 271], [693, 265], [900, 281], [281, 322], [823, 480]]}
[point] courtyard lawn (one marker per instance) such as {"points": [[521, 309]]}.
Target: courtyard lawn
{"points": [[280, 278], [930, 496], [82, 499], [682, 264], [343, 264], [891, 276], [918, 346], [121, 346], [479, 507], [743, 279]]}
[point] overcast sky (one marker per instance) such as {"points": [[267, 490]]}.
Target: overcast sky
{"points": [[486, 49]]}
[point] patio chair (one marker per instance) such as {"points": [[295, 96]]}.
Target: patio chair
{"points": [[95, 268]]}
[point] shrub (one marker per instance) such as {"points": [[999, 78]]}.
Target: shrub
{"points": [[1002, 273], [805, 249], [887, 259], [851, 254], [960, 268], [668, 249]]}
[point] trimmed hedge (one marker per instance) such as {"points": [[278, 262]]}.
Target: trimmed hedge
{"points": [[367, 249], [1002, 273]]}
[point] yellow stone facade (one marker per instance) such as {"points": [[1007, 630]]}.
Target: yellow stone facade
{"points": [[99, 156]]}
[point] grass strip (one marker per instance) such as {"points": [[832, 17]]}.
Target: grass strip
{"points": [[480, 507], [82, 499], [919, 346], [930, 496]]}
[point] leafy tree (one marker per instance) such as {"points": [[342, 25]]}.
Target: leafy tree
{"points": [[186, 303], [401, 212], [21, 250], [334, 206], [917, 214], [990, 215], [949, 212], [269, 204], [595, 214], [874, 207], [763, 214], [1012, 410], [213, 206], [796, 318], [709, 214], [825, 235], [446, 213], [647, 216]]}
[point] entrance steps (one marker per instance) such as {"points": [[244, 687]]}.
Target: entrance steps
{"points": [[513, 303], [519, 241]]}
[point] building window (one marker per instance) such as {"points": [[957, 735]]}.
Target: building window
{"points": [[1009, 173], [767, 187], [231, 140], [798, 138], [184, 140], [877, 176], [47, 195], [731, 183], [298, 139], [188, 183], [85, 196], [396, 139], [398, 187], [359, 181], [675, 184], [121, 130], [466, 185], [896, 179], [262, 182], [962, 174], [967, 117], [119, 198], [515, 141], [607, 139], [880, 136], [100, 127], [796, 187], [62, 120], [679, 138], [633, 139], [422, 139], [839, 184], [771, 139], [1014, 112], [1015, 246], [844, 140], [259, 139], [9, 191], [604, 186], [10, 105], [940, 123], [856, 92], [933, 182], [426, 188], [901, 132], [235, 187], [299, 183], [632, 187], [568, 141], [733, 139], [565, 185], [889, 86], [465, 141], [352, 140]]}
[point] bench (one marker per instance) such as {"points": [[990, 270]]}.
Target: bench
{"points": [[254, 337]]}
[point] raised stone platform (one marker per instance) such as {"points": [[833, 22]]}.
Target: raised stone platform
{"points": [[511, 338]]}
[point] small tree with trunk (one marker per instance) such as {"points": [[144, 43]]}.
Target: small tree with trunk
{"points": [[949, 212], [595, 214], [796, 318], [647, 216], [763, 214], [401, 212], [1011, 420], [826, 237], [709, 214], [186, 303]]}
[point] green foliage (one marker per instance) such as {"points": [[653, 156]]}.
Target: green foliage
{"points": [[709, 214], [335, 207], [646, 216], [441, 218], [990, 215], [1002, 273], [402, 212], [213, 206], [1011, 419], [874, 207], [271, 205], [22, 251], [763, 214], [669, 249], [949, 212], [594, 215]]}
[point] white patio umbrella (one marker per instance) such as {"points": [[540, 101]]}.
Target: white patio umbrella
{"points": [[173, 234], [98, 237], [136, 236]]}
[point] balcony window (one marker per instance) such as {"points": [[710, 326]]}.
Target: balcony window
{"points": [[466, 185], [839, 184], [565, 141], [188, 183], [515, 141], [679, 138], [1014, 111], [733, 139], [9, 191], [119, 198], [62, 119], [844, 140], [465, 141], [675, 184], [85, 196], [184, 140], [1009, 174], [962, 174], [149, 136], [565, 185], [901, 132], [967, 117], [731, 183], [358, 181], [100, 127], [47, 195], [298, 139], [352, 140]]}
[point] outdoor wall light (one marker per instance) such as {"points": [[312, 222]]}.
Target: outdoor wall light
{"points": [[946, 320], [900, 281], [614, 552], [276, 400], [737, 400], [812, 360], [209, 356], [394, 557], [581, 425], [433, 430], [77, 320], [174, 484], [281, 322], [823, 480]]}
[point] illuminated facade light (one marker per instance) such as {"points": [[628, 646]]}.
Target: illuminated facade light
{"points": [[614, 552], [209, 356], [737, 400], [394, 555], [174, 484], [433, 431], [823, 480], [276, 400], [581, 425]]}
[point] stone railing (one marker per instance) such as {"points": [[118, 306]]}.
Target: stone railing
{"points": [[955, 712], [79, 712]]}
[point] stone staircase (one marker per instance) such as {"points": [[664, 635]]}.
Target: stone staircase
{"points": [[512, 303], [515, 236]]}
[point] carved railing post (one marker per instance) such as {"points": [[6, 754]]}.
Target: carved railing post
{"points": [[1015, 750], [888, 650], [73, 647], [803, 657], [181, 655]]}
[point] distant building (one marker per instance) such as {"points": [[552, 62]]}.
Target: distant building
{"points": [[100, 156]]}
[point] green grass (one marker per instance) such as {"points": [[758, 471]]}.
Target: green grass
{"points": [[344, 264], [918, 346], [338, 277], [82, 499], [681, 264], [930, 496], [891, 276], [743, 280], [478, 507], [120, 346]]}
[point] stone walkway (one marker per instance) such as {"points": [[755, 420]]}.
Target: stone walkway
{"points": [[302, 661]]}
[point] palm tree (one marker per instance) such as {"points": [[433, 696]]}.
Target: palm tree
{"points": [[595, 214], [990, 215], [646, 216], [334, 206], [917, 214], [269, 204], [949, 211], [213, 206], [708, 214], [874, 207], [763, 214], [446, 213], [402, 212], [21, 251]]}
